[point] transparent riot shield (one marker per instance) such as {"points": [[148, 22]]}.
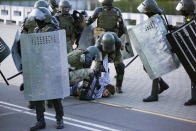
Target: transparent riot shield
{"points": [[16, 52], [45, 67], [87, 38], [127, 52], [149, 40]]}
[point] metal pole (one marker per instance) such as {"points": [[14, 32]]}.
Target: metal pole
{"points": [[14, 76], [4, 78], [131, 61]]}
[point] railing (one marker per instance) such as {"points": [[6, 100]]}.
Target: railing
{"points": [[16, 14]]}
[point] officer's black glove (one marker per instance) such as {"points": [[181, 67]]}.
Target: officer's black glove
{"points": [[22, 87], [171, 27]]}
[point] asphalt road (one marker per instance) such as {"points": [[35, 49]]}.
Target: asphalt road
{"points": [[82, 115]]}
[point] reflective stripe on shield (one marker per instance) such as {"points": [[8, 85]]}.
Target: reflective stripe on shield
{"points": [[45, 67], [16, 52], [149, 40], [183, 42], [4, 50]]}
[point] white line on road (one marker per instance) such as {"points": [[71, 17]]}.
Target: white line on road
{"points": [[7, 114], [49, 118], [65, 118]]}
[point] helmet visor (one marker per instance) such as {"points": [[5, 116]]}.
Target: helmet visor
{"points": [[37, 14], [179, 6], [141, 8], [50, 8]]}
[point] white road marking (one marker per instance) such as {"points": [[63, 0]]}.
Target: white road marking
{"points": [[49, 118], [65, 118], [7, 114]]}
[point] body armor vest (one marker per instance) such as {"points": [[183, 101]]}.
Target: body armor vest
{"points": [[108, 19], [66, 22]]}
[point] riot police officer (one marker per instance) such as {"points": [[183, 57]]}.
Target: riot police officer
{"points": [[29, 24], [187, 8], [109, 44], [54, 5], [66, 22], [28, 27], [45, 23], [109, 18], [150, 8]]}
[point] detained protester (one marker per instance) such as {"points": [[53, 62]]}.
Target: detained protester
{"points": [[66, 22], [99, 88], [44, 22], [150, 8], [80, 62], [109, 18], [28, 27], [187, 9]]}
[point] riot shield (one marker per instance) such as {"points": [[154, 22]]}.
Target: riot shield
{"points": [[127, 52], [16, 52], [183, 42], [87, 38], [45, 67], [149, 40], [4, 50]]}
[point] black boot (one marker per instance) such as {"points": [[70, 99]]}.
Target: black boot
{"points": [[119, 89], [119, 84], [154, 92], [151, 98], [41, 124], [192, 101], [120, 69], [22, 87], [59, 124], [163, 85], [49, 104], [31, 105]]}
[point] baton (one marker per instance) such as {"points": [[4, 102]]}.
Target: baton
{"points": [[4, 78], [14, 76], [131, 61]]}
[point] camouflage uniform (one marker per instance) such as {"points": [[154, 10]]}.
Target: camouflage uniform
{"points": [[66, 22], [80, 71], [115, 57], [109, 18], [46, 24]]}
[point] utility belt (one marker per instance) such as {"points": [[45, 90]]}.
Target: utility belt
{"points": [[98, 31]]}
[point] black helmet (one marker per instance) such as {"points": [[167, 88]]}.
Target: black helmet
{"points": [[186, 5], [108, 42], [94, 53], [149, 6], [107, 2]]}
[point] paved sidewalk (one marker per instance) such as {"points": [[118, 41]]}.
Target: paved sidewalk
{"points": [[136, 86]]}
